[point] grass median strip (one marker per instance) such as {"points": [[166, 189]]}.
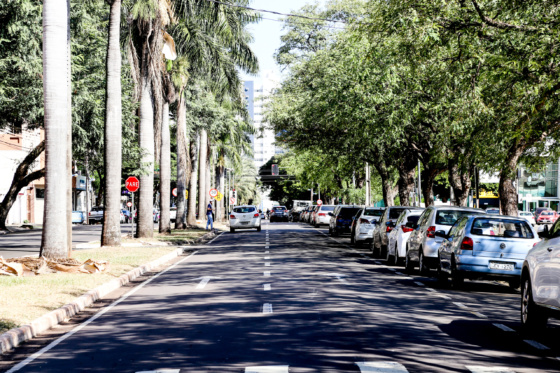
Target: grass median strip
{"points": [[23, 299]]}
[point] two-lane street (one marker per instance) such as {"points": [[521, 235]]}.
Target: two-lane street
{"points": [[292, 299]]}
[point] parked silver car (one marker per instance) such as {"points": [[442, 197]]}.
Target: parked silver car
{"points": [[322, 215], [540, 281], [396, 249], [485, 246], [364, 223], [423, 244]]}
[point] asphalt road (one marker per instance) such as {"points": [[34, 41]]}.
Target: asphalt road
{"points": [[28, 242], [292, 299]]}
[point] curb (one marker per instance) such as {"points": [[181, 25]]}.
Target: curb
{"points": [[14, 337]]}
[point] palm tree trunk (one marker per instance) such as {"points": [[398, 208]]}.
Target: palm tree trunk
{"points": [[208, 174], [183, 158], [69, 135], [202, 188], [146, 135], [220, 208], [165, 173], [55, 21], [191, 217], [111, 235]]}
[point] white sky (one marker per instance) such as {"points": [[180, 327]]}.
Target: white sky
{"points": [[267, 33]]}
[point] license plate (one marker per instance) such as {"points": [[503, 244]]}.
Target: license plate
{"points": [[502, 266], [245, 222]]}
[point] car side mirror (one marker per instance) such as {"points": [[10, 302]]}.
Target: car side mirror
{"points": [[390, 224], [441, 234]]}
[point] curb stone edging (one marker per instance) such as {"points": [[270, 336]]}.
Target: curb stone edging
{"points": [[14, 337]]}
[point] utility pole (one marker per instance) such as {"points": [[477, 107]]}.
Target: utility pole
{"points": [[477, 176], [311, 193]]}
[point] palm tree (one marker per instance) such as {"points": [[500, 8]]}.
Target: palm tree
{"points": [[165, 158], [55, 71], [111, 234]]}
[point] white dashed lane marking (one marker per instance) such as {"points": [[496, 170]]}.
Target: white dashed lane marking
{"points": [[267, 308], [266, 274], [161, 371], [419, 283], [267, 287], [461, 305], [481, 315], [267, 264], [535, 344], [503, 327], [381, 367], [269, 369]]}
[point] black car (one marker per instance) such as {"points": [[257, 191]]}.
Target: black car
{"points": [[341, 219], [279, 213]]}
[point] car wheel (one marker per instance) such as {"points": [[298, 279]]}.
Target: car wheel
{"points": [[533, 317], [457, 279], [408, 264], [259, 228], [232, 230], [424, 270]]}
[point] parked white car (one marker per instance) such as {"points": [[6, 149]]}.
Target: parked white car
{"points": [[528, 216], [540, 281], [245, 217], [364, 223], [396, 248], [322, 216]]}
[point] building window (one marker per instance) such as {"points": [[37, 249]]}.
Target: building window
{"points": [[39, 193], [540, 184]]}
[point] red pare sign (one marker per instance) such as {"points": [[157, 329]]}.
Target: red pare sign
{"points": [[132, 184]]}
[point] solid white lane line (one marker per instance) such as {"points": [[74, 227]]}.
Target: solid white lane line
{"points": [[483, 369], [93, 318], [419, 283], [461, 305], [266, 274], [161, 371], [481, 315], [381, 367], [536, 344], [267, 308], [215, 238], [267, 287], [267, 264], [503, 327], [269, 369], [432, 290]]}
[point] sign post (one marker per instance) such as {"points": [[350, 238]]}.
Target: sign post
{"points": [[132, 185]]}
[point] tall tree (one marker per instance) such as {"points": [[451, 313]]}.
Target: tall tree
{"points": [[111, 234], [54, 242]]}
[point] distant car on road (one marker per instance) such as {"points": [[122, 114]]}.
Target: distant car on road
{"points": [[493, 210], [385, 226], [527, 216], [364, 224], [485, 247], [244, 217], [397, 239], [279, 213], [78, 217], [322, 215], [540, 284], [547, 217], [96, 214], [341, 219]]}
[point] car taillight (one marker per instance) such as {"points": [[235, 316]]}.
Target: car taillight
{"points": [[286, 211], [364, 221], [232, 216], [431, 232], [89, 214], [406, 229], [321, 214], [256, 215], [467, 244], [389, 229]]}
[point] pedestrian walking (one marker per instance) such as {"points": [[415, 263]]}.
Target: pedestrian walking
{"points": [[209, 217]]}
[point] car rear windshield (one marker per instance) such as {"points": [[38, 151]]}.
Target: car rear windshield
{"points": [[501, 228], [327, 208], [373, 212], [413, 218], [449, 217], [395, 213], [547, 213], [243, 210], [348, 212]]}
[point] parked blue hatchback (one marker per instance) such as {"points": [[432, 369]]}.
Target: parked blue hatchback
{"points": [[486, 246]]}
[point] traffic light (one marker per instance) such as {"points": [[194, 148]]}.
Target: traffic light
{"points": [[275, 171]]}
